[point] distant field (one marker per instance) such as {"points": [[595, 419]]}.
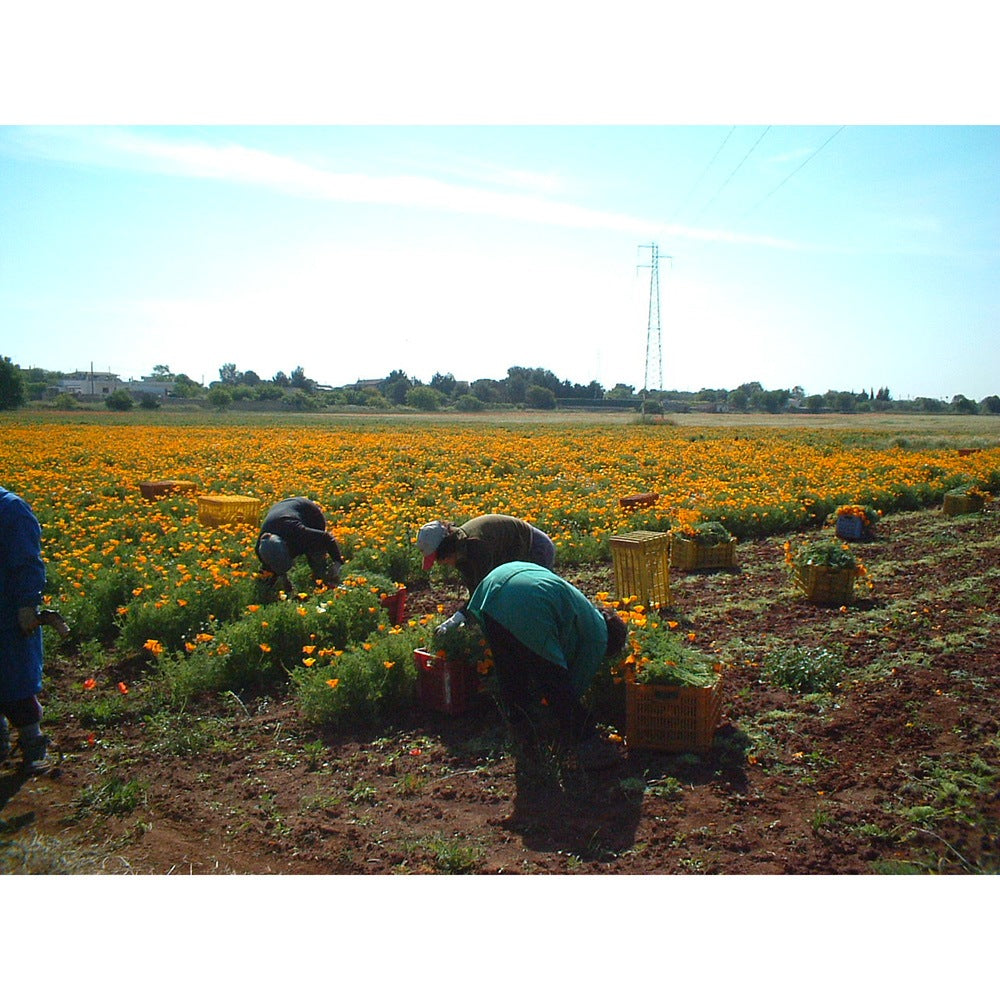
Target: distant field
{"points": [[981, 431]]}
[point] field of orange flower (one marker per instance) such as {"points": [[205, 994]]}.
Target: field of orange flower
{"points": [[116, 559]]}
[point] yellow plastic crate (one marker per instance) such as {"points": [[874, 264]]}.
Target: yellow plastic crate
{"points": [[686, 553], [217, 509], [642, 566], [826, 585], [670, 718], [955, 504]]}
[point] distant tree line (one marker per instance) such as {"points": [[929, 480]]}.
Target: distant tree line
{"points": [[522, 388]]}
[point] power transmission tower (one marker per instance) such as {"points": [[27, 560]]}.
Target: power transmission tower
{"points": [[654, 337]]}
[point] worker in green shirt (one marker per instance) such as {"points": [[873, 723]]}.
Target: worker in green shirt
{"points": [[548, 642]]}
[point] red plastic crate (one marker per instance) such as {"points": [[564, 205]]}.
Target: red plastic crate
{"points": [[638, 500], [395, 604], [155, 489], [444, 685]]}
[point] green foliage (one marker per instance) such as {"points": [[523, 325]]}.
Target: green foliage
{"points": [[175, 619], [120, 401], [220, 397], [396, 559], [115, 797], [804, 671], [423, 397], [580, 548], [835, 554], [467, 403], [11, 385], [967, 490], [93, 614], [367, 685], [708, 533], [262, 646], [454, 855], [658, 655], [464, 643]]}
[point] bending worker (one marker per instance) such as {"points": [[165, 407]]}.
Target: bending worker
{"points": [[548, 641], [296, 527], [479, 546]]}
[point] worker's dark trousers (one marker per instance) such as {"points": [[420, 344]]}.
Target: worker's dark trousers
{"points": [[524, 679], [25, 712]]}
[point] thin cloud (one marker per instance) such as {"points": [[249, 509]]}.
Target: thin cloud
{"points": [[117, 148]]}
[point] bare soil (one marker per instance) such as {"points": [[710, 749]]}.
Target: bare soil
{"points": [[895, 771]]}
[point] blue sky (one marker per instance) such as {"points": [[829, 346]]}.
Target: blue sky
{"points": [[843, 255]]}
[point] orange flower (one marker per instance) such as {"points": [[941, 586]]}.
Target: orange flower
{"points": [[89, 684], [333, 681], [123, 687], [154, 646], [265, 648]]}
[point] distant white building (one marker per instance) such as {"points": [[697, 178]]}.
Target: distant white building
{"points": [[147, 386], [91, 384]]}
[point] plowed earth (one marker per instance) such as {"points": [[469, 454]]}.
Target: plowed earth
{"points": [[894, 771]]}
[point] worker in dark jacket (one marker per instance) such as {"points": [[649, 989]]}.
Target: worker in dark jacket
{"points": [[22, 580], [296, 527], [479, 546], [548, 642]]}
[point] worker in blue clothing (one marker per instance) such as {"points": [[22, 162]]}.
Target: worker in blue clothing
{"points": [[548, 642], [22, 580]]}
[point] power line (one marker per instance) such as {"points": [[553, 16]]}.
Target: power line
{"points": [[701, 177], [795, 171], [722, 186]]}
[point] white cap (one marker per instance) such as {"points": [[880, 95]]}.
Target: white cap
{"points": [[429, 537]]}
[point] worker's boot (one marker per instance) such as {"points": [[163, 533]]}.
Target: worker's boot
{"points": [[34, 754]]}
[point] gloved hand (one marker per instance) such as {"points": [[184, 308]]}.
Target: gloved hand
{"points": [[28, 620], [456, 620]]}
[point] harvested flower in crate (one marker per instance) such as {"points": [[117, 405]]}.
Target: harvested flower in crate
{"points": [[702, 545], [705, 533], [966, 499], [673, 690], [464, 644], [659, 654], [826, 571], [855, 522]]}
